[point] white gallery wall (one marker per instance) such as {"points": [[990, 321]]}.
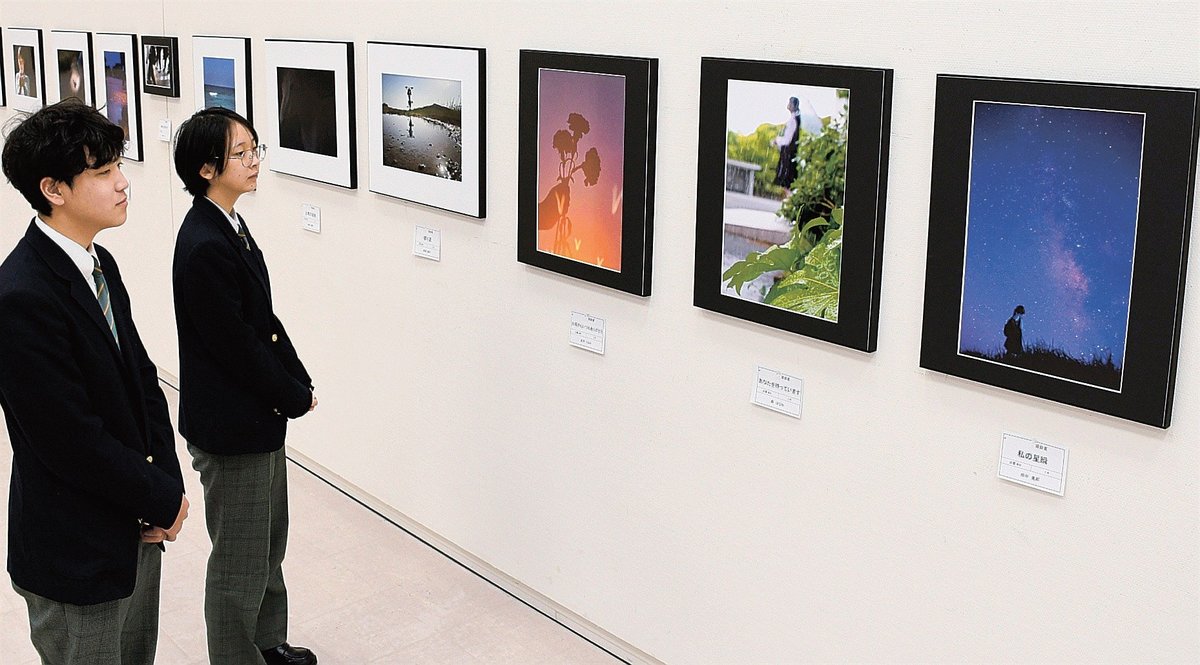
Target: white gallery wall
{"points": [[641, 490]]}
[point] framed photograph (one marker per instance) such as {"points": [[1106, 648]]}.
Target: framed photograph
{"points": [[427, 133], [586, 179], [160, 66], [221, 71], [117, 92], [789, 203], [3, 79], [1058, 236], [69, 61], [25, 71], [313, 118]]}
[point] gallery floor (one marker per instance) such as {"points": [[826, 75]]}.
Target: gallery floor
{"points": [[361, 591]]}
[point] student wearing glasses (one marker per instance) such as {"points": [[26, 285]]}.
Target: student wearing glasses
{"points": [[240, 382]]}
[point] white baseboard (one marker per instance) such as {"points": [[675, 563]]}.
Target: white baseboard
{"points": [[168, 378], [514, 587]]}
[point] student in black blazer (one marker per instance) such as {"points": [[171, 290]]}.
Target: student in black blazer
{"points": [[240, 382], [96, 485]]}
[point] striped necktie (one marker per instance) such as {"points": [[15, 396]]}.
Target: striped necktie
{"points": [[241, 233], [102, 297]]}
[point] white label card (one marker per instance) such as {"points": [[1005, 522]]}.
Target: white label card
{"points": [[310, 217], [587, 332], [778, 391], [1032, 463], [427, 243], [164, 130]]}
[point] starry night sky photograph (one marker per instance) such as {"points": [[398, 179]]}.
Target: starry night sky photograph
{"points": [[1051, 225]]}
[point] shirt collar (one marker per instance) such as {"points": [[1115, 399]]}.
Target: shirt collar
{"points": [[232, 219], [83, 258]]}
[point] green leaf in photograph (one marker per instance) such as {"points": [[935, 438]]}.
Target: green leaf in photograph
{"points": [[814, 288], [777, 257]]}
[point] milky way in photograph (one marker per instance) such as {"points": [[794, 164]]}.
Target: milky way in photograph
{"points": [[1050, 226]]}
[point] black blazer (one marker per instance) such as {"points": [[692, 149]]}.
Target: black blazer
{"points": [[93, 449], [239, 376]]}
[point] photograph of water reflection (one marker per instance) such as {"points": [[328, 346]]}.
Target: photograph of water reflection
{"points": [[422, 125]]}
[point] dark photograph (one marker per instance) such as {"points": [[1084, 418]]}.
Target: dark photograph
{"points": [[307, 110], [1051, 223], [116, 94], [71, 80]]}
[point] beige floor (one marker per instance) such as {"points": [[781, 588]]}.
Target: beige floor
{"points": [[361, 591]]}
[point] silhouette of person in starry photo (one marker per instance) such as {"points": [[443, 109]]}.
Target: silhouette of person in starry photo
{"points": [[1013, 346]]}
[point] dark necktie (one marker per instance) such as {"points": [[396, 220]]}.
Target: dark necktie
{"points": [[102, 297]]}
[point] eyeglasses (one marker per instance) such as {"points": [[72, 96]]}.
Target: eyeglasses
{"points": [[247, 156]]}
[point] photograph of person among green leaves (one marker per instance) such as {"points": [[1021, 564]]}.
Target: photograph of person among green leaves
{"points": [[785, 188]]}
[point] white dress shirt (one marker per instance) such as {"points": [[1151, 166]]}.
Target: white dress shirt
{"points": [[233, 219], [83, 257]]}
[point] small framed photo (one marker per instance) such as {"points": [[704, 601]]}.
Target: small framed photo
{"points": [[789, 203], [586, 179], [25, 71], [1058, 237], [3, 79], [221, 71], [117, 93], [427, 130], [160, 66], [69, 56], [313, 118]]}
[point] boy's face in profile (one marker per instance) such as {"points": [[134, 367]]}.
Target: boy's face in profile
{"points": [[97, 198]]}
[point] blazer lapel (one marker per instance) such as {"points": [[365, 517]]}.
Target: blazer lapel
{"points": [[122, 318], [81, 292], [217, 217], [256, 259]]}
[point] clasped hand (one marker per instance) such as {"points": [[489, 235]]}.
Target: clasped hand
{"points": [[155, 534]]}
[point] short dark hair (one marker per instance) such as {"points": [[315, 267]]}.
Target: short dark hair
{"points": [[58, 141], [204, 139]]}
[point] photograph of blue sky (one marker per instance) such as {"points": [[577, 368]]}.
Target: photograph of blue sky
{"points": [[219, 72], [425, 91], [1051, 224], [219, 85]]}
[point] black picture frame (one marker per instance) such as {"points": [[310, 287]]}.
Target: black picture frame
{"points": [[730, 207], [633, 196], [234, 91], [312, 125], [3, 79], [27, 41], [75, 76], [126, 112], [1141, 250], [160, 65], [421, 166]]}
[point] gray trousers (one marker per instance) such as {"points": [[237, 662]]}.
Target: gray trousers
{"points": [[119, 632], [246, 508]]}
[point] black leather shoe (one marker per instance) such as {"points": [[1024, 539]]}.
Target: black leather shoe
{"points": [[286, 654]]}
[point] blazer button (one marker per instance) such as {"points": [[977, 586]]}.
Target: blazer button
{"points": [[150, 459], [274, 338], [276, 411]]}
